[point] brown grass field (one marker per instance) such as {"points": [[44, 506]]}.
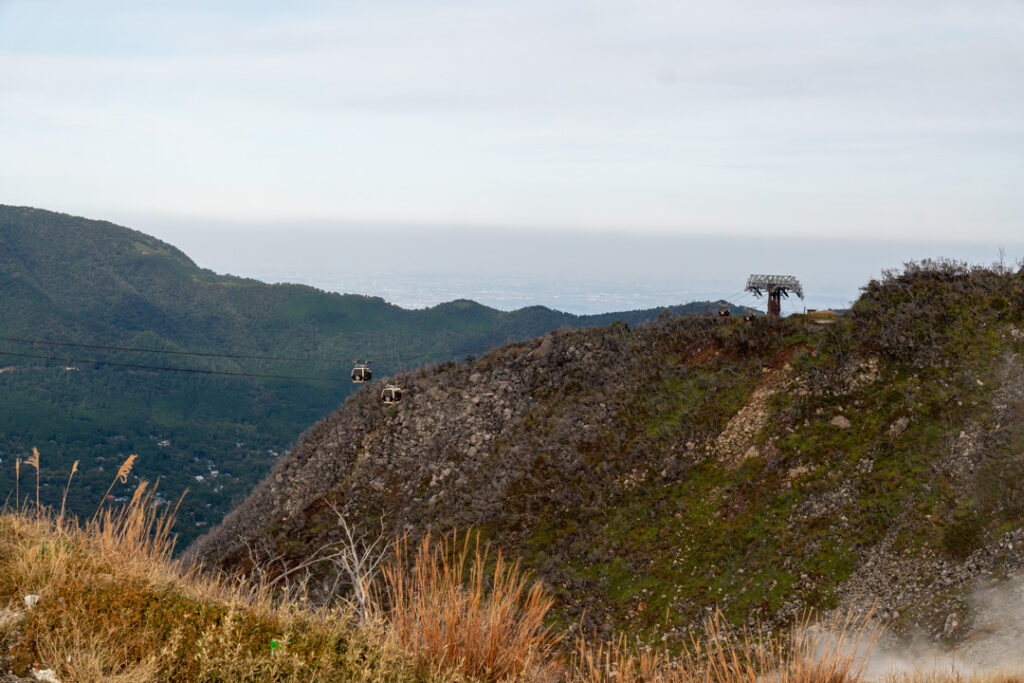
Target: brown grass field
{"points": [[114, 606]]}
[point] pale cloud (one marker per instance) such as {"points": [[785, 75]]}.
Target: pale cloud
{"points": [[839, 118]]}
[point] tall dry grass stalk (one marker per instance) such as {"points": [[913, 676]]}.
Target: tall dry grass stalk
{"points": [[122, 475], [34, 461], [452, 612], [616, 661], [136, 532], [64, 498], [17, 483]]}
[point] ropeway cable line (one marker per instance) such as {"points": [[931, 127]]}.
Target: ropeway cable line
{"points": [[200, 371], [166, 368], [106, 347], [207, 354]]}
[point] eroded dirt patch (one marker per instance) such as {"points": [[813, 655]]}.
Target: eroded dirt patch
{"points": [[737, 440]]}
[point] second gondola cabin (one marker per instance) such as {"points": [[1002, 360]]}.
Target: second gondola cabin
{"points": [[392, 393], [361, 372]]}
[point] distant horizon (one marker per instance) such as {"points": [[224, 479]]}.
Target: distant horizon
{"points": [[579, 273], [584, 156]]}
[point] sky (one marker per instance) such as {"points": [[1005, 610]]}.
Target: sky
{"points": [[879, 124]]}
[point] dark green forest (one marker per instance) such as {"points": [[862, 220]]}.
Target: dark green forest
{"points": [[72, 280]]}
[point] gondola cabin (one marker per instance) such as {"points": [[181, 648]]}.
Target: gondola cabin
{"points": [[361, 372], [724, 312], [392, 393], [749, 316]]}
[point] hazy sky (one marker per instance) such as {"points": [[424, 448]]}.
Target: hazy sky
{"points": [[811, 117], [847, 119]]}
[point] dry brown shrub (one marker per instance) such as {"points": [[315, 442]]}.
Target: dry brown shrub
{"points": [[953, 675], [835, 652], [454, 613]]}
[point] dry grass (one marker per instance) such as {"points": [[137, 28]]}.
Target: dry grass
{"points": [[114, 606], [832, 653], [455, 613], [955, 676]]}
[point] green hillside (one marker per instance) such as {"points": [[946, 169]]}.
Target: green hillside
{"points": [[72, 280], [652, 475]]}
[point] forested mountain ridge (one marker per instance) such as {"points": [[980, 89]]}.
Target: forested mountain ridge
{"points": [[650, 475], [62, 270], [68, 279]]}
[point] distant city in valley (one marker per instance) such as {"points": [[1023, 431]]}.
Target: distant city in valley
{"points": [[575, 272], [581, 297]]}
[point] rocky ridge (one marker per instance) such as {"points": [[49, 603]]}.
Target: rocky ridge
{"points": [[451, 453], [649, 475]]}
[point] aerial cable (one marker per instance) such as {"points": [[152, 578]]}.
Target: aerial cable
{"points": [[729, 299], [399, 359], [140, 366], [165, 351], [200, 371], [745, 297], [108, 347]]}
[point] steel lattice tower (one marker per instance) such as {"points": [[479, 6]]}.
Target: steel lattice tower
{"points": [[776, 287]]}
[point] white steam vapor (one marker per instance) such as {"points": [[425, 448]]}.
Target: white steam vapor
{"points": [[991, 641]]}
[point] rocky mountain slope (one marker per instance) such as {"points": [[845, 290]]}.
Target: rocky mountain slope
{"points": [[88, 290], [650, 474]]}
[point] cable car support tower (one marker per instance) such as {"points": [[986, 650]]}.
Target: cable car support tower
{"points": [[776, 287]]}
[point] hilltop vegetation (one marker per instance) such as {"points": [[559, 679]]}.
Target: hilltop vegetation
{"points": [[650, 475], [69, 279], [103, 602]]}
